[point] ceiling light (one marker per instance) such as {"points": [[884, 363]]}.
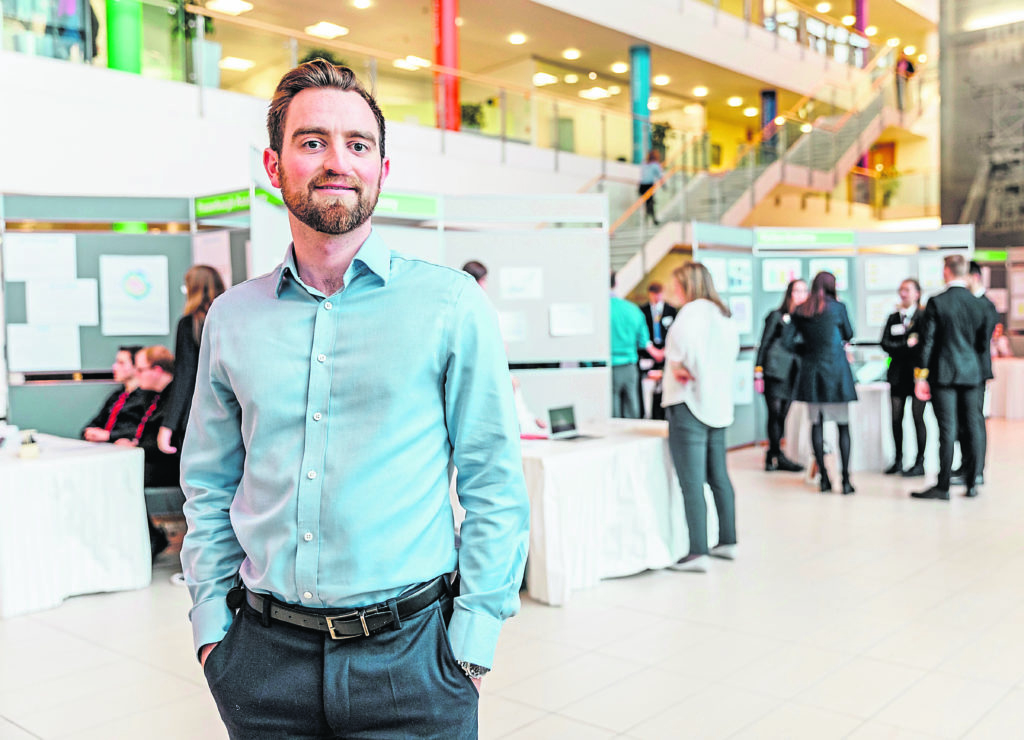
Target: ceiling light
{"points": [[516, 39], [571, 79], [571, 54], [823, 7], [996, 19], [694, 109], [614, 89], [910, 50], [620, 68], [893, 42], [653, 102], [806, 128], [595, 93], [412, 63], [592, 75], [662, 79], [326, 30], [849, 20], [459, 21], [750, 112], [871, 31], [543, 78], [734, 102], [879, 167], [361, 4], [236, 64], [700, 91], [231, 7], [780, 121], [922, 58]]}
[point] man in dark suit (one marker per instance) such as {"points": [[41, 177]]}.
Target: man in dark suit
{"points": [[950, 373], [659, 316]]}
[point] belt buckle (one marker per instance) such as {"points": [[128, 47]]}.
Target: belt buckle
{"points": [[361, 613]]}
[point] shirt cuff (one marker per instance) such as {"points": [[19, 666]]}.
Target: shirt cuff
{"points": [[473, 636], [210, 622]]}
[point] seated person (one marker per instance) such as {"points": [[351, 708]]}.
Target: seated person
{"points": [[1001, 343], [123, 409]]}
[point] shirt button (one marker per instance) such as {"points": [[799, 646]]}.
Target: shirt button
{"points": [[308, 537], [317, 416], [311, 474], [321, 358], [307, 595], [328, 305]]}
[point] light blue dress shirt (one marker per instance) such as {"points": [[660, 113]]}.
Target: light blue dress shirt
{"points": [[317, 455]]}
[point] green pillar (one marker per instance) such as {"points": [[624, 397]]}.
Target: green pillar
{"points": [[124, 35]]}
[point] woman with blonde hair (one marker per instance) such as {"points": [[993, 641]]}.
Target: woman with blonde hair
{"points": [[202, 285], [700, 355]]}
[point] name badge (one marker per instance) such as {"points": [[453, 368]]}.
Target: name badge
{"points": [[897, 330]]}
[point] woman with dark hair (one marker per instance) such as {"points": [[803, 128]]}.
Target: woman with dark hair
{"points": [[202, 285], [777, 365], [900, 341], [700, 358], [825, 381]]}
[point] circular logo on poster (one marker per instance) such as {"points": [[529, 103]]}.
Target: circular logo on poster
{"points": [[136, 285]]}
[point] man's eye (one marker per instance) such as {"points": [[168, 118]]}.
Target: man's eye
{"points": [[311, 144], [360, 147]]}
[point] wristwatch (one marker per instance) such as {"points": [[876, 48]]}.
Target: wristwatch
{"points": [[472, 669]]}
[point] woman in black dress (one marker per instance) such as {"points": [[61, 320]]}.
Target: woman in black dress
{"points": [[776, 370], [900, 341], [825, 381]]}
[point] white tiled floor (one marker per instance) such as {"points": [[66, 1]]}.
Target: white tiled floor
{"points": [[867, 617]]}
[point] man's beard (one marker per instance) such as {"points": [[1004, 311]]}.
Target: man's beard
{"points": [[333, 218]]}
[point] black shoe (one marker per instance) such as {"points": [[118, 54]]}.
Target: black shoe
{"points": [[957, 479], [915, 472], [157, 541], [971, 492], [825, 485], [848, 487], [933, 492], [787, 465], [771, 463], [895, 469]]}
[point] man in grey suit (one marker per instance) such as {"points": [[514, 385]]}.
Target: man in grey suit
{"points": [[950, 373]]}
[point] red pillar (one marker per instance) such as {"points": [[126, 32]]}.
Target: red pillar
{"points": [[446, 54]]}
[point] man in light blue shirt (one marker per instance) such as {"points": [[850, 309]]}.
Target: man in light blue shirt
{"points": [[333, 395]]}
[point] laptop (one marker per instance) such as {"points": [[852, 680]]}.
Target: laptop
{"points": [[562, 423]]}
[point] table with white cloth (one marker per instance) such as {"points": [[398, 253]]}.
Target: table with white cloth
{"points": [[1006, 389], [72, 521], [603, 508]]}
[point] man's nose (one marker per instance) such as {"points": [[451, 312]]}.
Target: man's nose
{"points": [[338, 162]]}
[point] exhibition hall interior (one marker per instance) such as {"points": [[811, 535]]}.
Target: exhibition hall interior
{"points": [[690, 333]]}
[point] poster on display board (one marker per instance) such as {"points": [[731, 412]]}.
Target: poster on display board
{"points": [[740, 276], [886, 273], [719, 272], [837, 266], [134, 295], [742, 309], [776, 274], [46, 257], [878, 308], [929, 273]]}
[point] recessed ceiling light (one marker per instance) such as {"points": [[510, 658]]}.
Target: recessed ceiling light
{"points": [[361, 4], [517, 39], [620, 68], [823, 7], [231, 7], [592, 75], [806, 128], [910, 50], [459, 21], [780, 121], [412, 63], [871, 31], [326, 30], [700, 91], [571, 79], [693, 109], [571, 54], [614, 89], [750, 112], [236, 64], [595, 93], [849, 20], [734, 102], [893, 42], [662, 79], [540, 79], [922, 58], [653, 102]]}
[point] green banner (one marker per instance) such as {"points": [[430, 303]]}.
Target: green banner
{"points": [[990, 255], [403, 204], [124, 35], [803, 238], [271, 198], [221, 203], [129, 227]]}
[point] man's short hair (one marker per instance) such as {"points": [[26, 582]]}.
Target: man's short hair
{"points": [[476, 269], [956, 264], [974, 268], [613, 278], [159, 356], [132, 349], [654, 288], [318, 73]]}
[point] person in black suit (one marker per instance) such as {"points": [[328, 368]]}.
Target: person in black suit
{"points": [[777, 366], [659, 316], [825, 380], [949, 373], [901, 341], [124, 407]]}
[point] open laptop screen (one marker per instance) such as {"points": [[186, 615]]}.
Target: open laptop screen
{"points": [[562, 420]]}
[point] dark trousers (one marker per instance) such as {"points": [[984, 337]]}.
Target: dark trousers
{"points": [[279, 681], [958, 408], [899, 405], [980, 440], [649, 203], [626, 392], [698, 453], [778, 409]]}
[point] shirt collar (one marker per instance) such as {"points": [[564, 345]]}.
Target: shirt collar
{"points": [[373, 255]]}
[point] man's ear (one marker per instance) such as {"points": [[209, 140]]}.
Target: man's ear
{"points": [[272, 164]]}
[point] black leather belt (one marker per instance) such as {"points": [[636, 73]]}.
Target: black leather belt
{"points": [[356, 623]]}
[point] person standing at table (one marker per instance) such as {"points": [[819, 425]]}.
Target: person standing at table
{"points": [[321, 483], [202, 285], [901, 341], [776, 370], [628, 336], [702, 346], [123, 409], [659, 316], [950, 375], [825, 381]]}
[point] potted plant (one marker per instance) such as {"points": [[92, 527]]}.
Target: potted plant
{"points": [[472, 116]]}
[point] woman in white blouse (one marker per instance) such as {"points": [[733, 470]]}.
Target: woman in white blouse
{"points": [[700, 355]]}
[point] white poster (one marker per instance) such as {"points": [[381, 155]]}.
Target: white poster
{"points": [[742, 313], [513, 326], [37, 348], [838, 267], [521, 283], [877, 309], [134, 295], [74, 302], [1017, 309], [30, 257], [1000, 299], [740, 276], [571, 319], [885, 273], [213, 248], [743, 383], [719, 272], [1017, 282], [929, 272], [776, 274]]}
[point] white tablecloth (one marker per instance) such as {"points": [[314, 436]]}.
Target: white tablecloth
{"points": [[72, 521], [1006, 399], [602, 508]]}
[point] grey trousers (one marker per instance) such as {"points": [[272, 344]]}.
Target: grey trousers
{"points": [[626, 392], [698, 453]]}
